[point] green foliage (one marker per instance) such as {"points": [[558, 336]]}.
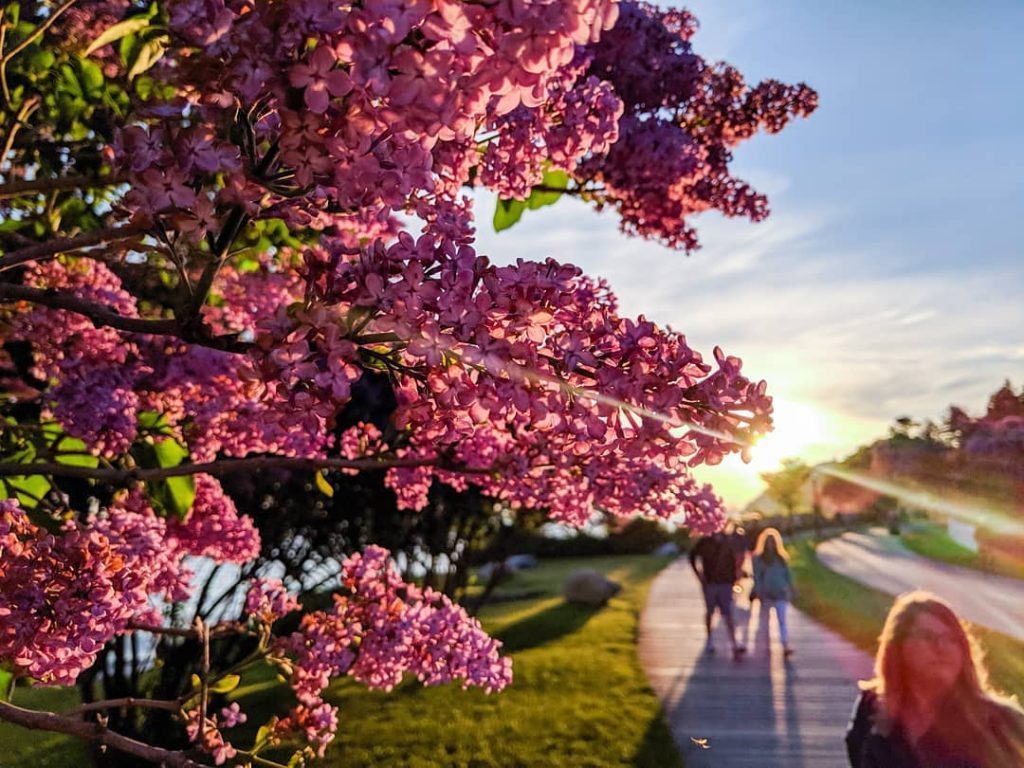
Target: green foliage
{"points": [[171, 496], [507, 213], [142, 57], [787, 484], [121, 29], [38, 443], [226, 684], [639, 536], [933, 541]]}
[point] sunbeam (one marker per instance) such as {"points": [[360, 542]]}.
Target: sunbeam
{"points": [[977, 514]]}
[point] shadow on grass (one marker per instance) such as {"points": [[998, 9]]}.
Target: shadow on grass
{"points": [[657, 750], [544, 626]]}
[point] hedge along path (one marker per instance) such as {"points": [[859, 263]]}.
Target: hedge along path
{"points": [[762, 711]]}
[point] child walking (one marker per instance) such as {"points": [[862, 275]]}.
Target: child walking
{"points": [[773, 584]]}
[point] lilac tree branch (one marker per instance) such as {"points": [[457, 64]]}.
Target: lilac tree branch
{"points": [[95, 732]]}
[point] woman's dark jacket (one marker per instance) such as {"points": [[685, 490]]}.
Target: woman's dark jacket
{"points": [[943, 745]]}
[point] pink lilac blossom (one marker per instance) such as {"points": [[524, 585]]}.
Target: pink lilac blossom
{"points": [[268, 600], [213, 527], [379, 629], [525, 369], [337, 120], [63, 340], [63, 596], [99, 406], [232, 715], [702, 110], [205, 733], [305, 361]]}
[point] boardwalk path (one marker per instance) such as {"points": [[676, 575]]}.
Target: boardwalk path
{"points": [[762, 712], [882, 562]]}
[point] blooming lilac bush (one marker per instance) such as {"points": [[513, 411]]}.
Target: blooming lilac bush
{"points": [[209, 244]]}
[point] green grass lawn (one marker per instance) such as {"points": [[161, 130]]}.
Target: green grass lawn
{"points": [[858, 612], [933, 541], [21, 748], [579, 697]]}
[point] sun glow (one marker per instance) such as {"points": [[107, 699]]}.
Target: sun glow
{"points": [[797, 427]]}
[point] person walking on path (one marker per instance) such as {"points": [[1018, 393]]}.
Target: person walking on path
{"points": [[773, 585], [929, 704], [717, 574]]}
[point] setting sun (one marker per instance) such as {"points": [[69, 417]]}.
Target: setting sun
{"points": [[797, 427]]}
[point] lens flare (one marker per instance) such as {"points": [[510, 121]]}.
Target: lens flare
{"points": [[977, 513]]}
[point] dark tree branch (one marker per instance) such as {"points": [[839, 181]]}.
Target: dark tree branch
{"points": [[222, 467], [99, 314], [104, 316], [19, 187], [55, 247], [90, 731]]}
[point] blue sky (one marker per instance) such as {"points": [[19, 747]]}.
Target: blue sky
{"points": [[889, 278]]}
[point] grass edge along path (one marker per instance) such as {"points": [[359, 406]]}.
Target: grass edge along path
{"points": [[933, 541], [857, 612]]}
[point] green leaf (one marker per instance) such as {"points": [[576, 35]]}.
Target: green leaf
{"points": [[41, 59], [11, 225], [154, 422], [128, 48], [116, 32], [27, 489], [68, 83], [91, 78], [173, 496], [75, 453], [169, 452], [263, 734], [552, 180], [145, 86], [226, 684], [149, 53], [6, 685], [507, 213]]}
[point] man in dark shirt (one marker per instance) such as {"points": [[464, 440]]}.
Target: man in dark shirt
{"points": [[717, 574]]}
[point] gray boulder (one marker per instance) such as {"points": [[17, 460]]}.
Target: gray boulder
{"points": [[588, 587]]}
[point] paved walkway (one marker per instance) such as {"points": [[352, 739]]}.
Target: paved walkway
{"points": [[762, 712], [881, 561]]}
